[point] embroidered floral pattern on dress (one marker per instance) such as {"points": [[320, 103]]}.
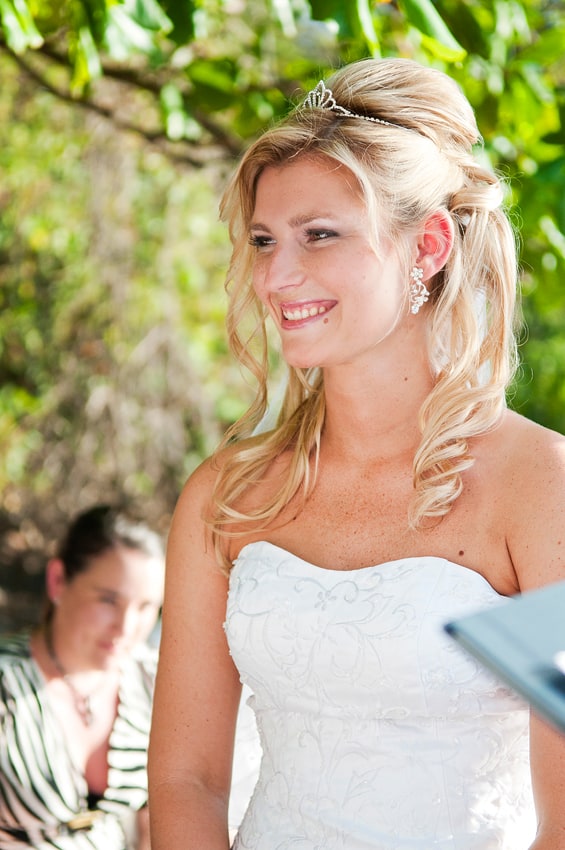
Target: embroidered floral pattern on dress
{"points": [[378, 731]]}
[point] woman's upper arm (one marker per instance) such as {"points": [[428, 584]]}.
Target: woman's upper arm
{"points": [[547, 747], [537, 547], [197, 686], [536, 509]]}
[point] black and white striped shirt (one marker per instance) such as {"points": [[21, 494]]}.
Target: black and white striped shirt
{"points": [[41, 789]]}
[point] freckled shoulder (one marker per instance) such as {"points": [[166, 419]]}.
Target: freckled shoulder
{"points": [[199, 493], [533, 456], [533, 467]]}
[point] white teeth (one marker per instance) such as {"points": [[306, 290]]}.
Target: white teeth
{"points": [[303, 313]]}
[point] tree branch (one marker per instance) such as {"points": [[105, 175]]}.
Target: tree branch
{"points": [[182, 151]]}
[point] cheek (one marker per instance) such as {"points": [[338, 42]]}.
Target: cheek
{"points": [[100, 614], [89, 619], [382, 288], [143, 629], [258, 281], [377, 303]]}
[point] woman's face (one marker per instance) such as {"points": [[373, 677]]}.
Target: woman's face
{"points": [[103, 612], [333, 300]]}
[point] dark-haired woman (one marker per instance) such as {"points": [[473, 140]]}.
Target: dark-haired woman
{"points": [[75, 695]]}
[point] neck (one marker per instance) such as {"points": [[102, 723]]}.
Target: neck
{"points": [[53, 656], [376, 412], [81, 701]]}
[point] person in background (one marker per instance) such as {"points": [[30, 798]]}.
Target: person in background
{"points": [[319, 562], [76, 694]]}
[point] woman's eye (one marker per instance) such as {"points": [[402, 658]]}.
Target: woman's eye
{"points": [[258, 241], [320, 235]]}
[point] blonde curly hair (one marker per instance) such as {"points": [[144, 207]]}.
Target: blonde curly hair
{"points": [[423, 161]]}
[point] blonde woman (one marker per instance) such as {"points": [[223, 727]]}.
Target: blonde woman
{"points": [[318, 562]]}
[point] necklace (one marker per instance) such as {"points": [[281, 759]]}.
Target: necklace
{"points": [[81, 701]]}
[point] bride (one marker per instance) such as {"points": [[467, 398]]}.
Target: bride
{"points": [[318, 562]]}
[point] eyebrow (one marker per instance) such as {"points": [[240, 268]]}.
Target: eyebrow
{"points": [[100, 588], [117, 594], [296, 221]]}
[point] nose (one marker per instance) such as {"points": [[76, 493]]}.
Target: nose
{"points": [[279, 269], [127, 622]]}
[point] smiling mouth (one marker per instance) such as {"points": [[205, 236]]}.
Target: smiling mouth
{"points": [[299, 313]]}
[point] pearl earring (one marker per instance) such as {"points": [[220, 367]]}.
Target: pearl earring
{"points": [[418, 294]]}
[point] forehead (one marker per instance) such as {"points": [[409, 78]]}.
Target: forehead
{"points": [[306, 180], [128, 572]]}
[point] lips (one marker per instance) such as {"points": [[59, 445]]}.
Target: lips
{"points": [[292, 313]]}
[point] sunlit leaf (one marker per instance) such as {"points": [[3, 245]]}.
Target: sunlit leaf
{"points": [[124, 33], [285, 16], [21, 32], [149, 14], [86, 60], [423, 15], [32, 34], [366, 23], [441, 50], [175, 114], [15, 36]]}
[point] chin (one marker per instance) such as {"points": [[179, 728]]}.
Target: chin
{"points": [[111, 660], [297, 362]]}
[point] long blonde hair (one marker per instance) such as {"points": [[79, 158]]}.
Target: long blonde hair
{"points": [[405, 173]]}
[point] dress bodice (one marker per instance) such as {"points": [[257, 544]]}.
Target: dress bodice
{"points": [[378, 731]]}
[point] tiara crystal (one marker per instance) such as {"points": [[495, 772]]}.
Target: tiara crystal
{"points": [[321, 97]]}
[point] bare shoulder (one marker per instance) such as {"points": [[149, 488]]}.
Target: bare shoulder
{"points": [[198, 491], [199, 487], [535, 454], [195, 505], [532, 466], [525, 461]]}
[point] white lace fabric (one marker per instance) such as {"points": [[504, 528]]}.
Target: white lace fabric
{"points": [[378, 732]]}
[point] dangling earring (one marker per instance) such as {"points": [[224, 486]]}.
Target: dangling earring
{"points": [[418, 293]]}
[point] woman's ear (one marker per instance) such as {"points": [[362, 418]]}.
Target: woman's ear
{"points": [[435, 243], [55, 579]]}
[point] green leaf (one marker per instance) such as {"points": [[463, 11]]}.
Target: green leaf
{"points": [[15, 37], [124, 34], [173, 110], [34, 37], [366, 23], [180, 13], [93, 14], [547, 47], [149, 14], [283, 12], [214, 75], [86, 60], [21, 32], [423, 15], [440, 50], [466, 24], [554, 236], [353, 18]]}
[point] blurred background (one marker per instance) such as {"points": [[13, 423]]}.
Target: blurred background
{"points": [[120, 123]]}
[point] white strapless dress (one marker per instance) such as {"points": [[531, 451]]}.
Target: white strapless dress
{"points": [[378, 732]]}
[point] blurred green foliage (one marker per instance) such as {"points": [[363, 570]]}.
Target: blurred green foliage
{"points": [[120, 121]]}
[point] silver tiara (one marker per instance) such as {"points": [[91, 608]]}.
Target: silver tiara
{"points": [[322, 98]]}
